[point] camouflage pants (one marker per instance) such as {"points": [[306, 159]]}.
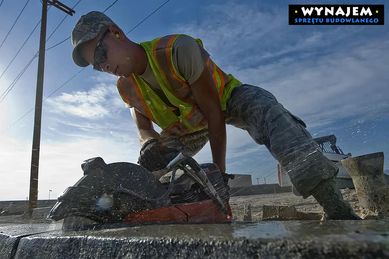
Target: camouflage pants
{"points": [[257, 111]]}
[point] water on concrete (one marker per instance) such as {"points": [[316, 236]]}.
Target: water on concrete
{"points": [[372, 230]]}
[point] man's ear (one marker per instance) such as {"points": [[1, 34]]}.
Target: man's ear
{"points": [[116, 32]]}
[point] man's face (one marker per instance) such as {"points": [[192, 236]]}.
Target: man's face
{"points": [[109, 52]]}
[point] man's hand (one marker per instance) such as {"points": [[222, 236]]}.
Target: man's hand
{"points": [[153, 156]]}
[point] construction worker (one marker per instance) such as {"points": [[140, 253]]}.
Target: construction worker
{"points": [[172, 81]]}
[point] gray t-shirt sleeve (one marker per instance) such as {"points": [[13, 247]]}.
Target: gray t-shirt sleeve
{"points": [[189, 58]]}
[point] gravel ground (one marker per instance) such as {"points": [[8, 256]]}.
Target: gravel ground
{"points": [[308, 205]]}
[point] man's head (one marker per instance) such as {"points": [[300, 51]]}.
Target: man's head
{"points": [[98, 41]]}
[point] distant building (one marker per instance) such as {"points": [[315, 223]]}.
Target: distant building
{"points": [[240, 180]]}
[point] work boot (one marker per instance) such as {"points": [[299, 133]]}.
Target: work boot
{"points": [[330, 198]]}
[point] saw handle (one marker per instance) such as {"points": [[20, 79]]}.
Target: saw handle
{"points": [[182, 160], [196, 173]]}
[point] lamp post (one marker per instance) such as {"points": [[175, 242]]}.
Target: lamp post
{"points": [[50, 193]]}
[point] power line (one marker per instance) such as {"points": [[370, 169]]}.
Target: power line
{"points": [[20, 49], [13, 25], [62, 21], [57, 44], [31, 33], [109, 7], [68, 38], [150, 14], [20, 118], [65, 83], [77, 73], [47, 97], [12, 85]]}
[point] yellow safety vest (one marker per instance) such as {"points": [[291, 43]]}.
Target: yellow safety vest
{"points": [[141, 96]]}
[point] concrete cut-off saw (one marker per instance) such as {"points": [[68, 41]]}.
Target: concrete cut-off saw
{"points": [[126, 193]]}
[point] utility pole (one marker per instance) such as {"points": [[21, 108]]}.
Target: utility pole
{"points": [[33, 198]]}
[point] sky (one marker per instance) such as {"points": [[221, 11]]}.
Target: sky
{"points": [[334, 77]]}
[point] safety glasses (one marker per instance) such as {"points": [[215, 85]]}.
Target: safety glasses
{"points": [[100, 55]]}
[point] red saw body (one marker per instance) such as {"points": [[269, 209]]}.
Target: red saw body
{"points": [[205, 212]]}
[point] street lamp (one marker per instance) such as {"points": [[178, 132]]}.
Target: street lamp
{"points": [[50, 193]]}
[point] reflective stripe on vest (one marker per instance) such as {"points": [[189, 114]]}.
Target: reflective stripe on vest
{"points": [[176, 89]]}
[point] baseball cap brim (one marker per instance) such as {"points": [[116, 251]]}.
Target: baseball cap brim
{"points": [[87, 28], [77, 58]]}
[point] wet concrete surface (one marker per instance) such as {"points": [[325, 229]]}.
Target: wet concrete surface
{"points": [[38, 238], [274, 239]]}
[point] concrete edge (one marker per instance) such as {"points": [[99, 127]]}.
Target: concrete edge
{"points": [[90, 247]]}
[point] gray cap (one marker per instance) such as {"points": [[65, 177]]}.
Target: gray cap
{"points": [[87, 28]]}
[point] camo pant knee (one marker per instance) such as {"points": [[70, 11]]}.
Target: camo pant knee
{"points": [[259, 113]]}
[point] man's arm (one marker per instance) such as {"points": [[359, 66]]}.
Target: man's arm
{"points": [[190, 60], [145, 127], [206, 96]]}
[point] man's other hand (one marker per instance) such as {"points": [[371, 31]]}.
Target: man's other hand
{"points": [[154, 156]]}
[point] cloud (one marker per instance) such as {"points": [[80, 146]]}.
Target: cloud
{"points": [[221, 27], [119, 128], [339, 86], [96, 103]]}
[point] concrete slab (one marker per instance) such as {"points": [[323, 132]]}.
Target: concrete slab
{"points": [[12, 233], [303, 239]]}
